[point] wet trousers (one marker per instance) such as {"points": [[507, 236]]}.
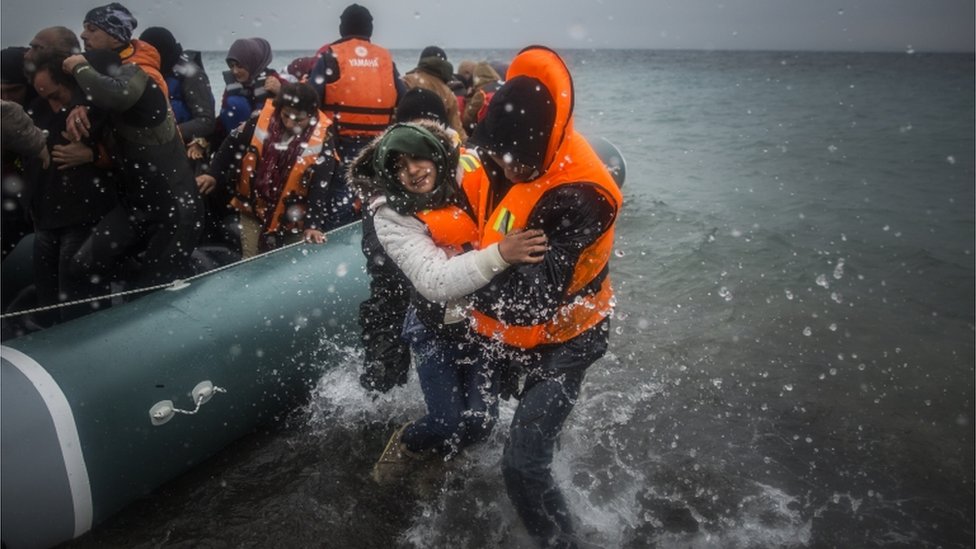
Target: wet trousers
{"points": [[459, 389], [552, 385]]}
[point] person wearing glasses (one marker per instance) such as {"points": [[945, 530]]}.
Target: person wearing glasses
{"points": [[281, 167]]}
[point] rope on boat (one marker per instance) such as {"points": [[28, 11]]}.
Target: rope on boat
{"points": [[177, 284]]}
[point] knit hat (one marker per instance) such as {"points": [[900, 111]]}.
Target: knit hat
{"points": [[434, 51], [355, 21], [164, 41], [438, 67], [115, 19], [12, 65], [253, 54], [420, 103], [519, 121], [418, 142]]}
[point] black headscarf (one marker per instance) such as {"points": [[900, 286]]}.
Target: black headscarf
{"points": [[169, 49]]}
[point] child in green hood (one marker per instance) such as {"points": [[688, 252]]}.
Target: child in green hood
{"points": [[409, 178]]}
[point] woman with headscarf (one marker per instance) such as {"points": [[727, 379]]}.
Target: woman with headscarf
{"points": [[249, 81]]}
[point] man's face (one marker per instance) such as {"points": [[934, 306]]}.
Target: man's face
{"points": [[42, 43], [57, 96], [95, 38], [514, 171]]}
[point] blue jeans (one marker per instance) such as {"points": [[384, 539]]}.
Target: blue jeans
{"points": [[460, 391], [552, 385]]}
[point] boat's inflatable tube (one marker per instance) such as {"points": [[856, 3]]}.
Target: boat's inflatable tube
{"points": [[99, 411], [612, 158]]}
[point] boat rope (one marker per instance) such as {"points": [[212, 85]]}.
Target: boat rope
{"points": [[201, 400], [177, 284]]}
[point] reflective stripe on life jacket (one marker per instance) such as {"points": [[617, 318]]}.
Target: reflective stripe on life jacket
{"points": [[289, 211], [364, 97]]}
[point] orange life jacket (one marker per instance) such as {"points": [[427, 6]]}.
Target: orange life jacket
{"points": [[452, 227], [364, 97], [289, 212], [147, 57], [569, 160]]}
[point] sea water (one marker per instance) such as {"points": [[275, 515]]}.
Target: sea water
{"points": [[792, 352]]}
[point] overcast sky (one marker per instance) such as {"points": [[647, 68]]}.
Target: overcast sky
{"points": [[858, 25]]}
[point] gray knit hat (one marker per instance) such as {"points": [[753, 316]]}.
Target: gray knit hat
{"points": [[115, 19]]}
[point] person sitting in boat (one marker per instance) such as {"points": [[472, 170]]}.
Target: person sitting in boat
{"points": [[462, 82], [250, 81], [485, 82], [283, 168], [67, 198], [157, 225], [426, 225], [434, 72], [190, 94]]}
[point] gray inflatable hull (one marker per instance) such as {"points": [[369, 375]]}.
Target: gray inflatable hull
{"points": [[90, 410]]}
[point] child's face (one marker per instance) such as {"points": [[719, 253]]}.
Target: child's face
{"points": [[417, 175]]}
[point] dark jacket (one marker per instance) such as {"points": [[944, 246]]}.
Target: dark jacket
{"points": [[157, 178], [196, 96], [74, 196]]}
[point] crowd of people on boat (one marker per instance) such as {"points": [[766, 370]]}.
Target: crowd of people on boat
{"points": [[488, 221]]}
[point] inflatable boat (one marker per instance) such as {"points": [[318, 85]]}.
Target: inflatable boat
{"points": [[99, 411], [102, 410]]}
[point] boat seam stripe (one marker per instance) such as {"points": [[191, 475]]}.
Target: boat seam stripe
{"points": [[67, 431]]}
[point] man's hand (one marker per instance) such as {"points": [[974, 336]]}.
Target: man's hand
{"points": [[315, 236], [206, 183], [72, 155], [194, 151], [72, 61], [78, 124], [272, 85], [528, 246]]}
